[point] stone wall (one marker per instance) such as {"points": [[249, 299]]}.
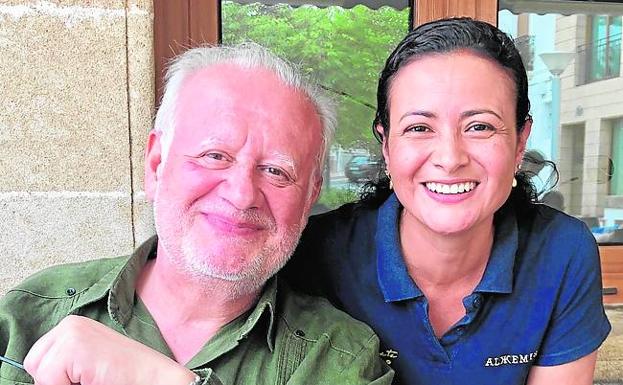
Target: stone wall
{"points": [[76, 104]]}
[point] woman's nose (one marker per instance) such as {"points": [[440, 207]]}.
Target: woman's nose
{"points": [[450, 153]]}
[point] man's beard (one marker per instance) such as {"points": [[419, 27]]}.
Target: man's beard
{"points": [[181, 245]]}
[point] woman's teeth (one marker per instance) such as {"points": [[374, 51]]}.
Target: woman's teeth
{"points": [[456, 188]]}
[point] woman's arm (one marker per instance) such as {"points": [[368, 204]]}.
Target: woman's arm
{"points": [[578, 372]]}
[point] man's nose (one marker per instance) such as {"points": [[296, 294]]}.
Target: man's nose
{"points": [[241, 187], [450, 153]]}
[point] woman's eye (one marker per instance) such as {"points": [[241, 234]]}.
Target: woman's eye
{"points": [[479, 127], [418, 128]]}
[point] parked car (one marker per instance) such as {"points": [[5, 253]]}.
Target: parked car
{"points": [[362, 167]]}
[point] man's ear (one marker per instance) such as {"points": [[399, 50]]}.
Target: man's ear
{"points": [[153, 160], [522, 141], [316, 190]]}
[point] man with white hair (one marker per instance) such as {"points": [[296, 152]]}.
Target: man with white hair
{"points": [[233, 167]]}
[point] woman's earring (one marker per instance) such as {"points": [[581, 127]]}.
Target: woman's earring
{"points": [[389, 177], [515, 178]]}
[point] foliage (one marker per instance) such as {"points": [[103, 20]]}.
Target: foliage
{"points": [[343, 49], [335, 197]]}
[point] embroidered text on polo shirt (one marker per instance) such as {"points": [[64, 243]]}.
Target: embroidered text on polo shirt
{"points": [[389, 355], [511, 359]]}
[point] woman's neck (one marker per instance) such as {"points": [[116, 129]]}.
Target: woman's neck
{"points": [[445, 260]]}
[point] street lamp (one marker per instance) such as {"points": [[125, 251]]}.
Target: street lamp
{"points": [[556, 62]]}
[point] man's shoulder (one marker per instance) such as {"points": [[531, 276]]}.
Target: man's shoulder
{"points": [[315, 318], [65, 280]]}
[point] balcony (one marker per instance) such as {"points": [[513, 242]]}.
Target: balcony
{"points": [[598, 60]]}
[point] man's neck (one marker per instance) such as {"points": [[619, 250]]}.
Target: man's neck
{"points": [[187, 310]]}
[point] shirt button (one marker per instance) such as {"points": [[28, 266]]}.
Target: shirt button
{"points": [[460, 329], [70, 291], [299, 333], [477, 302]]}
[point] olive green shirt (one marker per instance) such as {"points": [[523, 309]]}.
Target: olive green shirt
{"points": [[287, 338]]}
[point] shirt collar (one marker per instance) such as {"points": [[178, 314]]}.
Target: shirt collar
{"points": [[394, 279], [119, 285], [265, 305], [393, 276], [498, 275]]}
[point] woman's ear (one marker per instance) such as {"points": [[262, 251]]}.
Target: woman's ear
{"points": [[522, 140], [381, 134], [153, 161]]}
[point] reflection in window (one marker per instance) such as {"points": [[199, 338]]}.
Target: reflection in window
{"points": [[578, 119], [603, 48], [343, 49], [616, 181]]}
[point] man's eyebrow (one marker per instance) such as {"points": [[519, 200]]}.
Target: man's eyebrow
{"points": [[210, 142], [284, 160], [426, 114], [470, 113]]}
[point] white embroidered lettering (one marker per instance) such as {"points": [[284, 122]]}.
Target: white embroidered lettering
{"points": [[511, 359], [389, 355]]}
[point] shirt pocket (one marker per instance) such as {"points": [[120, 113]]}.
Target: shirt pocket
{"points": [[290, 358]]}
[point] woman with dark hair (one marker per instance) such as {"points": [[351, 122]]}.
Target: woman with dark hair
{"points": [[465, 279]]}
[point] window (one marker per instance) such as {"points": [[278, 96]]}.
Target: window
{"points": [[577, 122], [186, 23], [615, 173], [603, 47], [344, 50]]}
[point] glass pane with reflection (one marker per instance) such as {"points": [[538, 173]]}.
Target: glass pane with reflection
{"points": [[572, 51], [344, 49]]}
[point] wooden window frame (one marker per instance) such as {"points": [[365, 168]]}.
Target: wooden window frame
{"points": [[179, 25], [186, 23]]}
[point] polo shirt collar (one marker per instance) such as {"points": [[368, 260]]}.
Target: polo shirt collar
{"points": [[119, 285], [498, 275], [392, 274]]}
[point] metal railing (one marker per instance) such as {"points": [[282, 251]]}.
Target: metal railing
{"points": [[598, 60]]}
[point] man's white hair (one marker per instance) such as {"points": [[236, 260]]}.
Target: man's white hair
{"points": [[246, 55]]}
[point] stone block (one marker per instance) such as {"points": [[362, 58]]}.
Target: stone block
{"points": [[141, 85], [64, 121], [57, 6], [42, 229]]}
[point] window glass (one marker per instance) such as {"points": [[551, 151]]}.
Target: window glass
{"points": [[572, 52], [616, 187], [604, 44], [344, 50]]}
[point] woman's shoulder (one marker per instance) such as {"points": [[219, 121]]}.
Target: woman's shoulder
{"points": [[550, 232], [552, 220]]}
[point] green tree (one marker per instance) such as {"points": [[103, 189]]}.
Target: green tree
{"points": [[342, 49]]}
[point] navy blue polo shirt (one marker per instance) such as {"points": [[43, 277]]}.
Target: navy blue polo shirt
{"points": [[538, 302]]}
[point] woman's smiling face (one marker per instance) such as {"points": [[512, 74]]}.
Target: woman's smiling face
{"points": [[453, 146]]}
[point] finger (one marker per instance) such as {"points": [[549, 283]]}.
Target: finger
{"points": [[37, 351]]}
